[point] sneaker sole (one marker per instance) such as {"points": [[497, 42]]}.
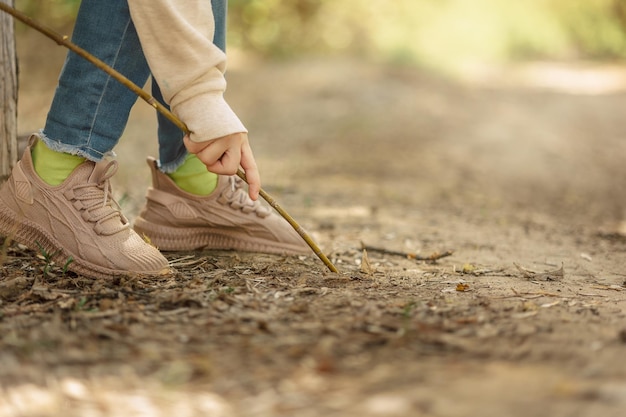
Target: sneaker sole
{"points": [[30, 234], [191, 239]]}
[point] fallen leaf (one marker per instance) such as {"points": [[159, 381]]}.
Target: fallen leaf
{"points": [[366, 266]]}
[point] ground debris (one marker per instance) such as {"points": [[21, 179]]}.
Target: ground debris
{"points": [[276, 335], [12, 288]]}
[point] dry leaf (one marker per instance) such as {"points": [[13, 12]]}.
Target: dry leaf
{"points": [[366, 266]]}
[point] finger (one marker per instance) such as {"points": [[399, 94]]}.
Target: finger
{"points": [[215, 154], [248, 163], [227, 164]]}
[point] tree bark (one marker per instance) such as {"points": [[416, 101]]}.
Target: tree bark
{"points": [[8, 95]]}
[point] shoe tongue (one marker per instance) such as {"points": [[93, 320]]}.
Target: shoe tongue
{"points": [[99, 170], [89, 172]]}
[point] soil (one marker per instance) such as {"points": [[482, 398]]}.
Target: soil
{"points": [[519, 176]]}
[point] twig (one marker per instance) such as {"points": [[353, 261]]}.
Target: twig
{"points": [[432, 257], [582, 294], [63, 40], [303, 234], [555, 275]]}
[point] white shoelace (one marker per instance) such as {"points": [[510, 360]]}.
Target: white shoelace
{"points": [[96, 201], [237, 197]]}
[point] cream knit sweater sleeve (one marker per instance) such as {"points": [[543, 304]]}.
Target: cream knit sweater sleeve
{"points": [[177, 39]]}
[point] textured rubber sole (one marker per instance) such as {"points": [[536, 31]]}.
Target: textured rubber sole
{"points": [[190, 239], [31, 235]]}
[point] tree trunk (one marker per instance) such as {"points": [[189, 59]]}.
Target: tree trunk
{"points": [[8, 95]]}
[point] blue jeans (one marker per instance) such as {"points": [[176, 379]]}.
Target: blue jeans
{"points": [[90, 109]]}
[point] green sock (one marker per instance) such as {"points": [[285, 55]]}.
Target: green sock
{"points": [[53, 167], [193, 177]]}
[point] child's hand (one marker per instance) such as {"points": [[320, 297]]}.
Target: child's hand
{"points": [[224, 156]]}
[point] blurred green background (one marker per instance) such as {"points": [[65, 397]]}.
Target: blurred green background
{"points": [[446, 35]]}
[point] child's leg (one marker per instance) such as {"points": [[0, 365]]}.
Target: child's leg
{"points": [[182, 213], [90, 109], [72, 214], [186, 170], [172, 152]]}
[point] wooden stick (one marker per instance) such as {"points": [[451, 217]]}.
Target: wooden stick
{"points": [[63, 40]]}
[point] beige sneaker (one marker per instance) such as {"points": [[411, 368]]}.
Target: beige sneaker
{"points": [[227, 219], [77, 223]]}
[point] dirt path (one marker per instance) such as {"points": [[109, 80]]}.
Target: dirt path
{"points": [[526, 318]]}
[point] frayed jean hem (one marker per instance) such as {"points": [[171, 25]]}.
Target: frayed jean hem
{"points": [[90, 154], [172, 166]]}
